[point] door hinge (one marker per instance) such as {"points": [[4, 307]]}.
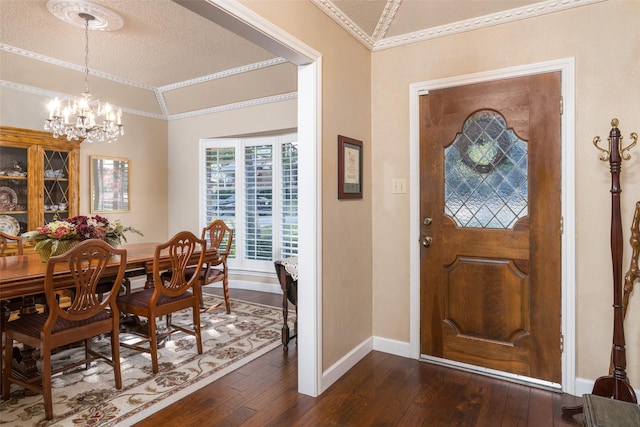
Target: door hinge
{"points": [[561, 343], [561, 225], [561, 105]]}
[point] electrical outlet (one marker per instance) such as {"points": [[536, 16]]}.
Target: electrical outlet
{"points": [[399, 186]]}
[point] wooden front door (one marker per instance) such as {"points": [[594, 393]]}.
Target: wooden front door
{"points": [[490, 198]]}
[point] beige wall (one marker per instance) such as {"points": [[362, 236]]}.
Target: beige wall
{"points": [[144, 144], [346, 110], [604, 39]]}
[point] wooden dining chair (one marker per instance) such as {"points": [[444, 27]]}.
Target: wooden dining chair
{"points": [[7, 306], [86, 317], [168, 296], [6, 240], [215, 269], [289, 288]]}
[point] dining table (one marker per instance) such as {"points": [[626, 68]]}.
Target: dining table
{"points": [[22, 276]]}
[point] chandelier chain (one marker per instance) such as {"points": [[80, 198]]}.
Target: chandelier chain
{"points": [[85, 124], [86, 55]]}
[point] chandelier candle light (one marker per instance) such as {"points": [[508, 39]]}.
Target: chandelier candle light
{"points": [[61, 119]]}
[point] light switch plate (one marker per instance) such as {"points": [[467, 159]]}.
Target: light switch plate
{"points": [[399, 186]]}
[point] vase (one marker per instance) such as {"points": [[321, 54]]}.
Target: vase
{"points": [[113, 242], [63, 246]]}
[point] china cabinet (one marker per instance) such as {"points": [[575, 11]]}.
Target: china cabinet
{"points": [[39, 179]]}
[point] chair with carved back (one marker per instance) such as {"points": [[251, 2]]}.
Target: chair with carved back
{"points": [[6, 240], [13, 245], [85, 317], [168, 296], [220, 237]]}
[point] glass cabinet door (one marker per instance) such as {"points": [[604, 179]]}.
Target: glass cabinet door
{"points": [[38, 179], [56, 185], [14, 190]]}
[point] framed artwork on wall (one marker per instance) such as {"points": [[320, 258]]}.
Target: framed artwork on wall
{"points": [[110, 184], [349, 168]]}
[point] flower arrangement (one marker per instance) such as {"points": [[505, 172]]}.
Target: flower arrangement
{"points": [[64, 233]]}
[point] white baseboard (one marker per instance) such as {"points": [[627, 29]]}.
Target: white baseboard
{"points": [[585, 386], [347, 362], [138, 282], [251, 286], [401, 348], [385, 345]]}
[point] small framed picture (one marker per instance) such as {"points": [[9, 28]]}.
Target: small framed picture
{"points": [[349, 168]]}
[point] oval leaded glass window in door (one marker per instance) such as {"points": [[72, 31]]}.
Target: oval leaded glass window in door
{"points": [[486, 174]]}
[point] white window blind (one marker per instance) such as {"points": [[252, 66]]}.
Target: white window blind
{"points": [[220, 187], [258, 194], [252, 184], [289, 201]]}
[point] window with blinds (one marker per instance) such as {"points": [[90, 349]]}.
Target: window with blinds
{"points": [[219, 194], [252, 184]]}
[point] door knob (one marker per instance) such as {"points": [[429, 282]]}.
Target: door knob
{"points": [[427, 220], [426, 242]]}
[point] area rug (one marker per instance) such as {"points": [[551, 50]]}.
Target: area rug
{"points": [[89, 397]]}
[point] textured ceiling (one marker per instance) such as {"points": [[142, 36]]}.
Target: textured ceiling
{"points": [[166, 61]]}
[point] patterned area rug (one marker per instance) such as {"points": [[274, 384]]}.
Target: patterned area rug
{"points": [[89, 397]]}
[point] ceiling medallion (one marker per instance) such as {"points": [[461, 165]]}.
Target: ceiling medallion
{"points": [[69, 11]]}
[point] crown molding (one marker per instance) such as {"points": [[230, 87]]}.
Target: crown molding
{"points": [[389, 12], [223, 74], [64, 64], [525, 12], [235, 106], [52, 94], [376, 43], [165, 115], [336, 14], [161, 102]]}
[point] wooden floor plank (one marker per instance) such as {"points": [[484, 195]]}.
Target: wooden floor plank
{"points": [[381, 390], [493, 404], [470, 403], [540, 407], [516, 409]]}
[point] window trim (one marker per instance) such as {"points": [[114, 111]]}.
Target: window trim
{"points": [[239, 264]]}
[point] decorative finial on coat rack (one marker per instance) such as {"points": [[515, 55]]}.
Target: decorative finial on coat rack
{"points": [[606, 154]]}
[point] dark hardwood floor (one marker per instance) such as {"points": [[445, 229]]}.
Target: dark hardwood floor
{"points": [[381, 390]]}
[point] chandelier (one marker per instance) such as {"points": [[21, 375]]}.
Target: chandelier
{"points": [[82, 117]]}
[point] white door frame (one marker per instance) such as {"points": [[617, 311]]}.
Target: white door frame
{"points": [[253, 27], [567, 67]]}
